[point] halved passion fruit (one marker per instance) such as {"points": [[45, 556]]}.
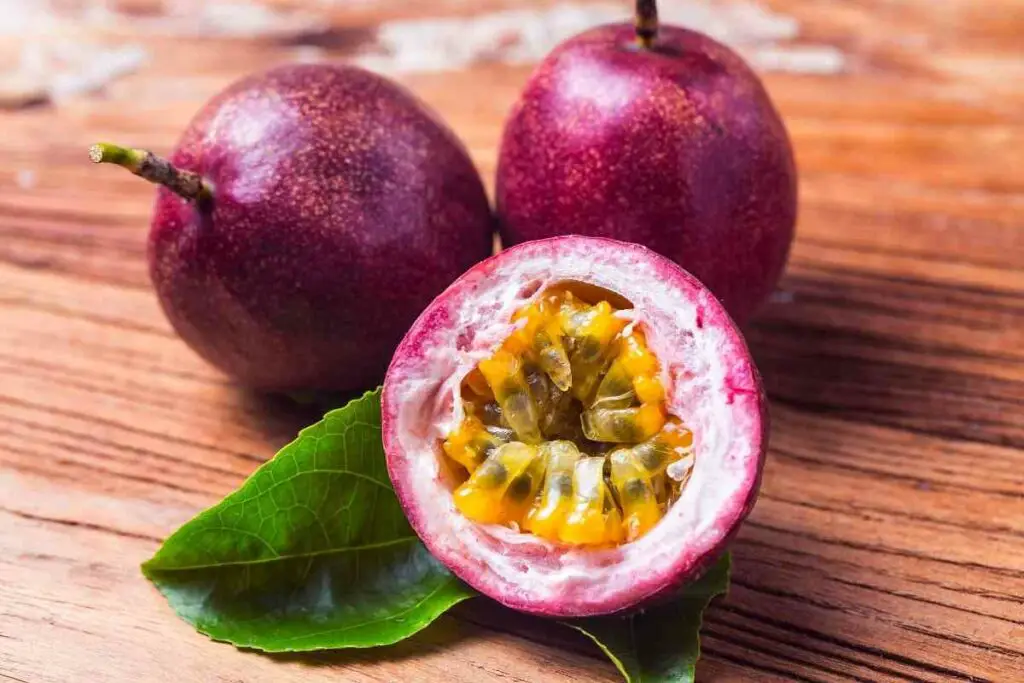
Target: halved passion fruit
{"points": [[575, 427]]}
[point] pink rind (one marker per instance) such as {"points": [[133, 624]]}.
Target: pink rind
{"points": [[743, 401]]}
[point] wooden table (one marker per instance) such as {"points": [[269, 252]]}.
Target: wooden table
{"points": [[888, 543]]}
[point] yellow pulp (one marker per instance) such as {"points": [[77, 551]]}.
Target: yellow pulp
{"points": [[565, 433]]}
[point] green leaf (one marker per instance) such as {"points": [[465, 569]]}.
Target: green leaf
{"points": [[312, 552], [661, 644]]}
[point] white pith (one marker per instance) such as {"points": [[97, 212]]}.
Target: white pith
{"points": [[710, 384]]}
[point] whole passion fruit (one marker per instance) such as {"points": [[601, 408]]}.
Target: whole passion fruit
{"points": [[575, 427], [307, 216], [660, 136]]}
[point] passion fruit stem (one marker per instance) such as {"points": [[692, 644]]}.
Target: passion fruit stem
{"points": [[145, 164], [646, 23]]}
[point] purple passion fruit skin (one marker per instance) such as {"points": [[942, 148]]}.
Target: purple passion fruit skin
{"points": [[341, 207], [674, 146], [436, 416]]}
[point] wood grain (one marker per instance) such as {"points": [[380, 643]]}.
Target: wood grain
{"points": [[888, 543]]}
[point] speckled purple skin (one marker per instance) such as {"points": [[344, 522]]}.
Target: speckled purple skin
{"points": [[677, 148], [342, 206]]}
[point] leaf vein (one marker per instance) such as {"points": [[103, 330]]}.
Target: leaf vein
{"points": [[295, 556]]}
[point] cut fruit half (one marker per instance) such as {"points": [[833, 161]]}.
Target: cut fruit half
{"points": [[575, 427]]}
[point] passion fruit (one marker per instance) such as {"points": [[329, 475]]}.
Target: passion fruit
{"points": [[575, 427], [660, 136], [307, 215]]}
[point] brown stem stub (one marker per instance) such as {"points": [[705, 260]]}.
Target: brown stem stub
{"points": [[145, 164], [646, 22]]}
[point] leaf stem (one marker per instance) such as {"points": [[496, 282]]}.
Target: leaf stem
{"points": [[149, 166]]}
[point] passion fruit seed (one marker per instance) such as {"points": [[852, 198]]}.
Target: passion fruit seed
{"points": [[590, 330], [502, 488], [547, 516], [636, 493], [541, 334], [623, 425], [472, 442], [595, 519], [572, 383], [657, 453], [504, 375]]}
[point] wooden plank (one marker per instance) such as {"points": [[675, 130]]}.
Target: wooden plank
{"points": [[888, 543]]}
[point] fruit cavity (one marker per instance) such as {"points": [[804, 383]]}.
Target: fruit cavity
{"points": [[565, 433], [575, 427]]}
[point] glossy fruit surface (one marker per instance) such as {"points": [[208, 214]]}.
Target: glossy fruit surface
{"points": [[677, 147], [341, 207], [705, 378]]}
